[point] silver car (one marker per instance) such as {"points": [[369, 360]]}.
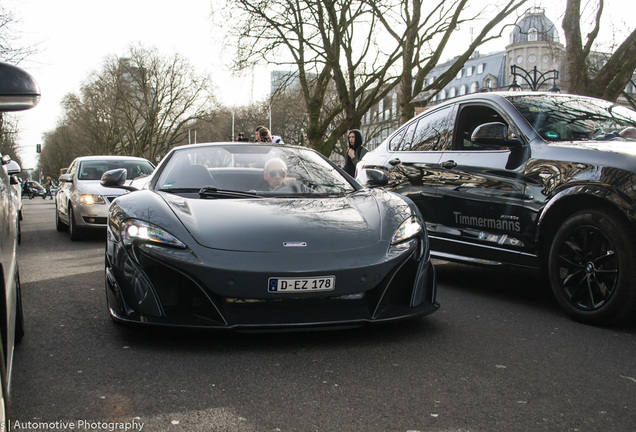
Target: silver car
{"points": [[81, 203]]}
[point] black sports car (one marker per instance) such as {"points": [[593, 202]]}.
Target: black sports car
{"points": [[538, 180], [236, 235]]}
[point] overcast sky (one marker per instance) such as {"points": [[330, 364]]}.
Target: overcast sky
{"points": [[75, 37]]}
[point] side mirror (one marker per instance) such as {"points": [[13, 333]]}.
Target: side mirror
{"points": [[18, 89], [494, 134], [13, 167], [65, 178], [376, 178], [490, 133], [116, 179]]}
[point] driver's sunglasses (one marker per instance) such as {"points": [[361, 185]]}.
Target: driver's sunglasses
{"points": [[279, 173]]}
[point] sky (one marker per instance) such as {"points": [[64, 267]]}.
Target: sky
{"points": [[74, 38]]}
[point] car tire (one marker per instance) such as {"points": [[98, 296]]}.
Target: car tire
{"points": [[591, 268], [73, 230], [19, 315], [59, 225]]}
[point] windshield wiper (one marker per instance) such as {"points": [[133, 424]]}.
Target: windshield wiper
{"points": [[209, 191]]}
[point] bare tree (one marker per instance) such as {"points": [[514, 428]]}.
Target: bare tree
{"points": [[424, 29], [8, 144], [332, 45], [140, 105], [608, 81], [341, 47], [12, 51]]}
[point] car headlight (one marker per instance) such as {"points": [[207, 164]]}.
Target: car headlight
{"points": [[137, 230], [90, 199], [409, 228]]}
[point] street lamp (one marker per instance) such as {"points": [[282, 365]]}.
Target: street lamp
{"points": [[534, 79]]}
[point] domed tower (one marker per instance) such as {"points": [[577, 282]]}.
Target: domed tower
{"points": [[534, 42]]}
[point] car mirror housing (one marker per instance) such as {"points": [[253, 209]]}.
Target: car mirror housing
{"points": [[18, 89], [376, 178], [65, 178], [116, 179], [490, 133], [13, 167]]}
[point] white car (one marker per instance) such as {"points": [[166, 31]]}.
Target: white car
{"points": [[18, 91], [13, 169], [81, 203]]}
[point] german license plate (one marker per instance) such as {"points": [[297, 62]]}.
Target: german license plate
{"points": [[295, 285]]}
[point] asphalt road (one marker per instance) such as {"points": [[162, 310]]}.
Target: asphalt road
{"points": [[498, 356]]}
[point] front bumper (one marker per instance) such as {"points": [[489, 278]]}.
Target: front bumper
{"points": [[163, 286]]}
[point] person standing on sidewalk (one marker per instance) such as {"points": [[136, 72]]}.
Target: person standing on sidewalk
{"points": [[355, 153]]}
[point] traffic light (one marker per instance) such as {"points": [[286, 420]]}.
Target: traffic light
{"points": [[38, 148]]}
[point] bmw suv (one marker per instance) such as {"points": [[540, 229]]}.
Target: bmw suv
{"points": [[538, 180]]}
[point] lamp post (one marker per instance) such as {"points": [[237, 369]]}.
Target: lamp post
{"points": [[534, 79]]}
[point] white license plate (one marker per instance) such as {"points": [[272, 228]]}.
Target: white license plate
{"points": [[295, 285]]}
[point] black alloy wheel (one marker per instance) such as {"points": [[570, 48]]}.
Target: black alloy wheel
{"points": [[591, 268]]}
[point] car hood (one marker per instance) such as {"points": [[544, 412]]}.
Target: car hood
{"points": [[94, 187], [613, 146], [281, 224]]}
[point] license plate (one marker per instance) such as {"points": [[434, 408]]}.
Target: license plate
{"points": [[295, 285]]}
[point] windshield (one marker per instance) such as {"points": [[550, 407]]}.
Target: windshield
{"points": [[571, 118], [93, 169], [257, 170]]}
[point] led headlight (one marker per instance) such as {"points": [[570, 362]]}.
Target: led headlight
{"points": [[91, 199], [409, 228], [137, 230]]}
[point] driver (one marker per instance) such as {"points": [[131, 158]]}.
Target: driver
{"points": [[274, 175]]}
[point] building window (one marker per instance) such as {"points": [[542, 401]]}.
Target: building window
{"points": [[453, 92], [462, 90], [459, 74], [480, 68], [442, 94], [474, 87], [469, 71], [533, 35], [488, 83]]}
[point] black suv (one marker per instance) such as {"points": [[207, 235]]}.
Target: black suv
{"points": [[538, 180]]}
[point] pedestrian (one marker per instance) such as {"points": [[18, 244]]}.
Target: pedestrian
{"points": [[264, 135], [48, 185], [355, 153]]}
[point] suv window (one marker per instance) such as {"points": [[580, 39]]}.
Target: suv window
{"points": [[428, 132], [469, 118], [433, 131]]}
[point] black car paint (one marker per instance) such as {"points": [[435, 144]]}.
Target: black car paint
{"points": [[503, 204], [460, 193], [234, 245]]}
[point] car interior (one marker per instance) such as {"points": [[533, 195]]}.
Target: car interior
{"points": [[470, 117]]}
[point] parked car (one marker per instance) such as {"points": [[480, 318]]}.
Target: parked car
{"points": [[33, 189], [18, 91], [13, 169], [242, 236], [537, 180], [81, 203]]}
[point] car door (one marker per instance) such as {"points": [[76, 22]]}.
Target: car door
{"points": [[414, 154], [481, 191], [64, 192]]}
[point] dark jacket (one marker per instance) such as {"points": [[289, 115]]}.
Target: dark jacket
{"points": [[359, 150]]}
